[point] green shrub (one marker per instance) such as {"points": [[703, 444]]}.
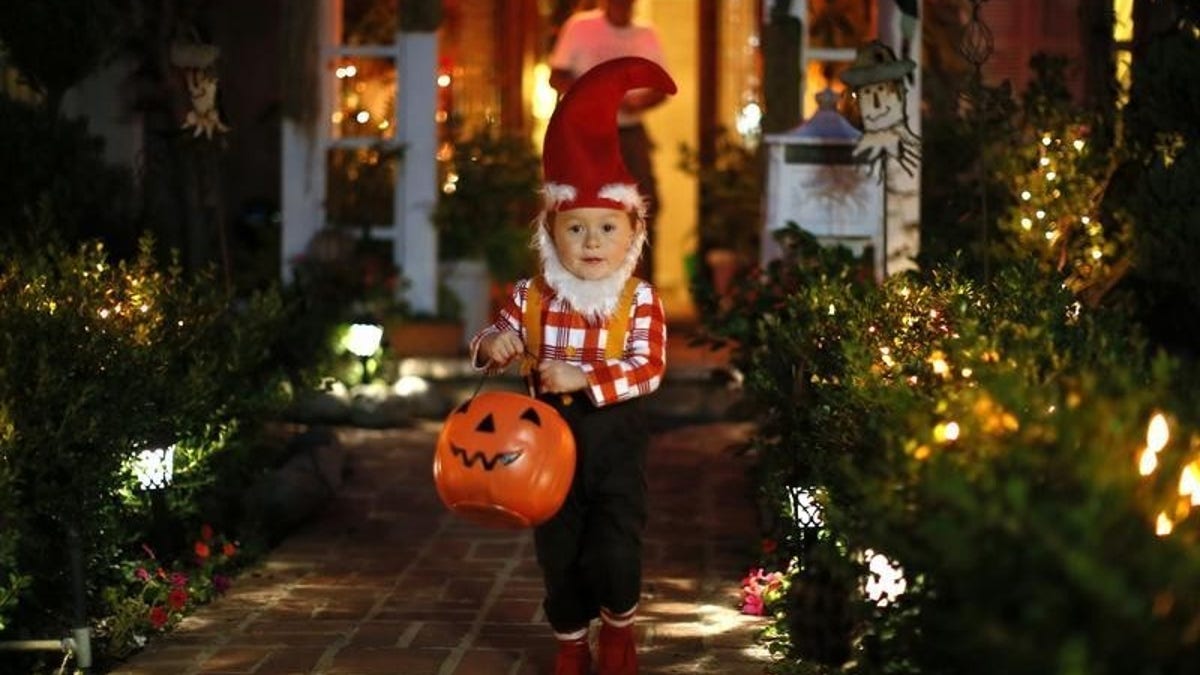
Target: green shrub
{"points": [[98, 359], [494, 197], [986, 439]]}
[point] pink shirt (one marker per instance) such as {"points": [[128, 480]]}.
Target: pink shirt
{"points": [[588, 39]]}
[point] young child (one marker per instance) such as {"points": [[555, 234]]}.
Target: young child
{"points": [[594, 340]]}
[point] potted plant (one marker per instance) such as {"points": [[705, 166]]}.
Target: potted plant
{"points": [[730, 214], [482, 217]]}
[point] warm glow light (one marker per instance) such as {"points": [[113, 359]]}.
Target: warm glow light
{"points": [[1026, 195], [1163, 525], [362, 117], [832, 310], [1078, 144], [443, 80], [1050, 175], [1040, 214], [749, 120], [1122, 13], [1157, 433], [946, 432], [1026, 224], [1189, 482], [1147, 462], [544, 96]]}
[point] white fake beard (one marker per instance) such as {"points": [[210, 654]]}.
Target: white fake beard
{"points": [[595, 299]]}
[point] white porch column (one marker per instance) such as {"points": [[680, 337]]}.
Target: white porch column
{"points": [[902, 32], [303, 154], [416, 187]]}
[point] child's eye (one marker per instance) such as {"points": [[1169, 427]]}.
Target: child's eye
{"points": [[609, 227]]}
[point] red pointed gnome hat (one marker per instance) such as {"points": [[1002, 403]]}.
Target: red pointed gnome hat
{"points": [[581, 155]]}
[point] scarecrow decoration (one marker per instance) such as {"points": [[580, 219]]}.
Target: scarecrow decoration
{"points": [[196, 61], [877, 82]]}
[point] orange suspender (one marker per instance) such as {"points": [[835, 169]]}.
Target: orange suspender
{"points": [[618, 323]]}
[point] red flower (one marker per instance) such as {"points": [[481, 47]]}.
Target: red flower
{"points": [[202, 550], [142, 574], [178, 580], [229, 549], [206, 532], [158, 616], [177, 598], [769, 545]]}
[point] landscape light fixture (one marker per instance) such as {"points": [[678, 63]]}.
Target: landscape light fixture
{"points": [[363, 340]]}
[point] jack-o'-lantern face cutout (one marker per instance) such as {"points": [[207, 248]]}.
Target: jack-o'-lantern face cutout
{"points": [[504, 459], [518, 442]]}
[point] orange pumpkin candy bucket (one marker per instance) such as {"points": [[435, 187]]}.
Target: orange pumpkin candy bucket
{"points": [[504, 460]]}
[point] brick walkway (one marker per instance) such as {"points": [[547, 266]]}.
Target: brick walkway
{"points": [[387, 582]]}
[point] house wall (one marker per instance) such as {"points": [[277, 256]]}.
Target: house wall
{"points": [[1022, 28]]}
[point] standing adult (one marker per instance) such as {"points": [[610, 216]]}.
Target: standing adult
{"points": [[591, 37]]}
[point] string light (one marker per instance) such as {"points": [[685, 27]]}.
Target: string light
{"points": [[1157, 433], [1163, 525]]}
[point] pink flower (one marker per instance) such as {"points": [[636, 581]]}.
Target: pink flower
{"points": [[178, 580], [142, 574], [753, 605], [754, 585]]}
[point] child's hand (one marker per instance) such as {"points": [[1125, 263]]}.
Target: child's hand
{"points": [[559, 377], [501, 348]]}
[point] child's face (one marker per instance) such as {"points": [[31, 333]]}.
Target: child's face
{"points": [[592, 242]]}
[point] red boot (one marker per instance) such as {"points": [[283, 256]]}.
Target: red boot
{"points": [[617, 653], [573, 658]]}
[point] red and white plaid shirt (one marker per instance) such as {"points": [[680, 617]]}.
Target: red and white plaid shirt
{"points": [[569, 336]]}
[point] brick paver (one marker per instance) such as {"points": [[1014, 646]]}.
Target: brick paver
{"points": [[385, 581]]}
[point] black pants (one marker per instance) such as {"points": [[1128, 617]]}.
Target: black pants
{"points": [[635, 152], [590, 552]]}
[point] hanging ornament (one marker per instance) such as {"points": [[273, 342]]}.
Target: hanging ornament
{"points": [[196, 61], [877, 82]]}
